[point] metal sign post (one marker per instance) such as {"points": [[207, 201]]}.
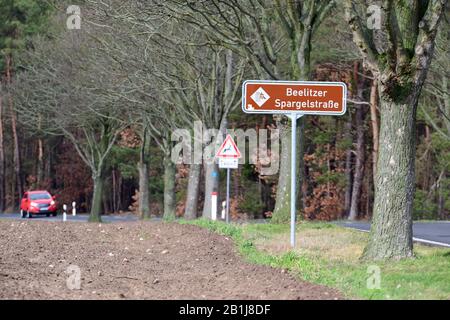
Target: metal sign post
{"points": [[228, 155], [227, 212], [294, 99], [294, 117]]}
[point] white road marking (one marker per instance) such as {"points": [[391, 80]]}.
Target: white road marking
{"points": [[436, 243], [432, 242]]}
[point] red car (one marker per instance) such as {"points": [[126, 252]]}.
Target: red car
{"points": [[37, 202]]}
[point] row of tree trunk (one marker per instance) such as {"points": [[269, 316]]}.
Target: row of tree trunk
{"points": [[17, 178]]}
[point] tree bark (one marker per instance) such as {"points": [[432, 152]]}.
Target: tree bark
{"points": [[119, 192], [375, 125], [97, 198], [281, 213], [48, 165], [106, 196], [348, 165], [144, 193], [391, 231], [114, 190], [40, 164], [193, 192], [169, 187], [300, 67], [302, 190], [236, 180], [211, 185], [360, 150], [17, 162], [2, 156], [359, 165], [212, 170]]}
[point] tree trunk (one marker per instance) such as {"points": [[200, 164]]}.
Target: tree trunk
{"points": [[120, 193], [169, 187], [359, 165], [375, 126], [391, 231], [48, 166], [281, 213], [106, 196], [441, 198], [114, 190], [300, 69], [369, 195], [212, 169], [348, 164], [193, 192], [2, 156], [144, 193], [360, 150], [96, 205], [12, 188], [236, 180], [211, 185], [17, 163], [302, 189], [40, 164], [400, 71]]}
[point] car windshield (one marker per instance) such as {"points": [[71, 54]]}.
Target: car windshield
{"points": [[39, 196]]}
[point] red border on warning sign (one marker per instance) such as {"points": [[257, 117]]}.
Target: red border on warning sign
{"points": [[222, 147]]}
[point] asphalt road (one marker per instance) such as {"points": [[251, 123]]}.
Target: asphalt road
{"points": [[433, 233]]}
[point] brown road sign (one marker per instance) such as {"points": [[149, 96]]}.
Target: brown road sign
{"points": [[302, 97]]}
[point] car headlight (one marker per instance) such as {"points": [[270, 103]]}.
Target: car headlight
{"points": [[33, 204], [52, 203]]}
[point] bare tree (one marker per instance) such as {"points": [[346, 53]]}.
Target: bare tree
{"points": [[194, 78], [399, 56], [270, 35], [74, 90], [360, 145]]}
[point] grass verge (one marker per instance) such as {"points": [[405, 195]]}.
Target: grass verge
{"points": [[329, 255]]}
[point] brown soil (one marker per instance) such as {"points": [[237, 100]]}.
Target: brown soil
{"points": [[136, 260]]}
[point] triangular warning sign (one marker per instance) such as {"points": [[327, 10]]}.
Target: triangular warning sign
{"points": [[228, 149]]}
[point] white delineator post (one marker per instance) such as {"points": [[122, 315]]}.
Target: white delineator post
{"points": [[224, 203], [214, 206], [294, 117], [64, 212], [74, 208]]}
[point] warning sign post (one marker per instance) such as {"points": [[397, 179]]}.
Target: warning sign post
{"points": [[228, 155], [294, 99]]}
